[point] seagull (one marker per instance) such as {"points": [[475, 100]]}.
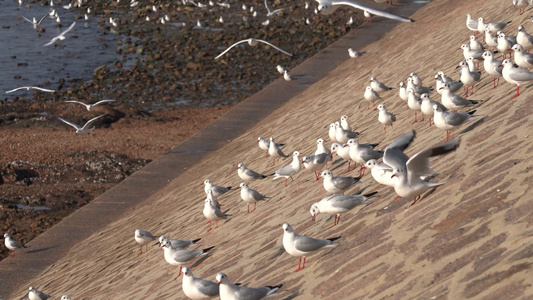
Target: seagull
{"points": [[402, 92], [471, 24], [452, 101], [270, 11], [230, 291], [492, 67], [416, 80], [34, 21], [175, 243], [381, 172], [350, 21], [212, 213], [344, 122], [426, 106], [378, 86], [342, 135], [216, 189], [337, 185], [413, 103], [249, 195], [86, 128], [385, 117], [327, 7], [275, 151], [34, 294], [409, 170], [474, 44], [332, 131], [179, 257], [522, 58], [253, 42], [337, 204], [354, 53], [419, 90], [289, 170], [27, 88], [361, 153], [196, 288], [523, 38], [265, 144], [287, 76], [214, 201], [143, 237], [66, 297], [280, 69], [320, 147], [370, 95], [248, 174], [515, 75], [316, 163], [61, 36], [301, 245], [493, 27], [89, 106], [343, 151], [449, 120], [11, 243], [468, 78], [490, 40]]}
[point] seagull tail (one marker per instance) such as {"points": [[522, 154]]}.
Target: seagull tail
{"points": [[194, 241], [273, 289], [370, 195], [207, 249], [333, 239]]}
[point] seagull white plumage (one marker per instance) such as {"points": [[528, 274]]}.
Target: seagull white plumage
{"points": [[252, 42], [327, 7], [90, 106], [271, 11], [61, 36], [86, 128], [27, 88]]}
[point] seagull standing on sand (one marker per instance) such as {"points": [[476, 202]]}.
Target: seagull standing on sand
{"points": [[247, 174], [289, 170], [90, 106], [34, 294], [230, 291], [143, 237], [337, 185], [61, 36], [515, 75], [449, 120], [196, 288], [385, 117], [175, 243], [213, 213], [337, 204], [216, 189], [265, 144], [302, 246], [179, 257], [86, 128], [253, 42], [275, 151], [249, 195]]}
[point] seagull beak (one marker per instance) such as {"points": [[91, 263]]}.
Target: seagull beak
{"points": [[313, 217], [219, 283], [376, 108], [393, 175]]}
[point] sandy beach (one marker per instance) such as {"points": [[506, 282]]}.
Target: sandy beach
{"points": [[469, 239]]}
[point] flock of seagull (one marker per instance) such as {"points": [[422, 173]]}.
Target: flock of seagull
{"points": [[408, 176]]}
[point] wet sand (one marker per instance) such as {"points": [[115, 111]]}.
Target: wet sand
{"points": [[471, 238]]}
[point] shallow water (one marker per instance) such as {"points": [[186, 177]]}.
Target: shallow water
{"points": [[23, 54]]}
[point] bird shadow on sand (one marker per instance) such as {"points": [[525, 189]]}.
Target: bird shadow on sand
{"points": [[201, 260], [472, 126], [292, 296], [41, 249]]}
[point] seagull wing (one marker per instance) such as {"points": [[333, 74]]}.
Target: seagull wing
{"points": [[89, 123], [74, 101], [279, 49], [41, 89], [19, 88], [520, 75], [42, 19], [103, 101], [70, 123], [68, 29], [51, 42], [372, 10], [239, 42], [418, 165], [27, 19]]}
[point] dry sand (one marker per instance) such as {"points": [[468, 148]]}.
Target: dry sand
{"points": [[471, 238]]}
